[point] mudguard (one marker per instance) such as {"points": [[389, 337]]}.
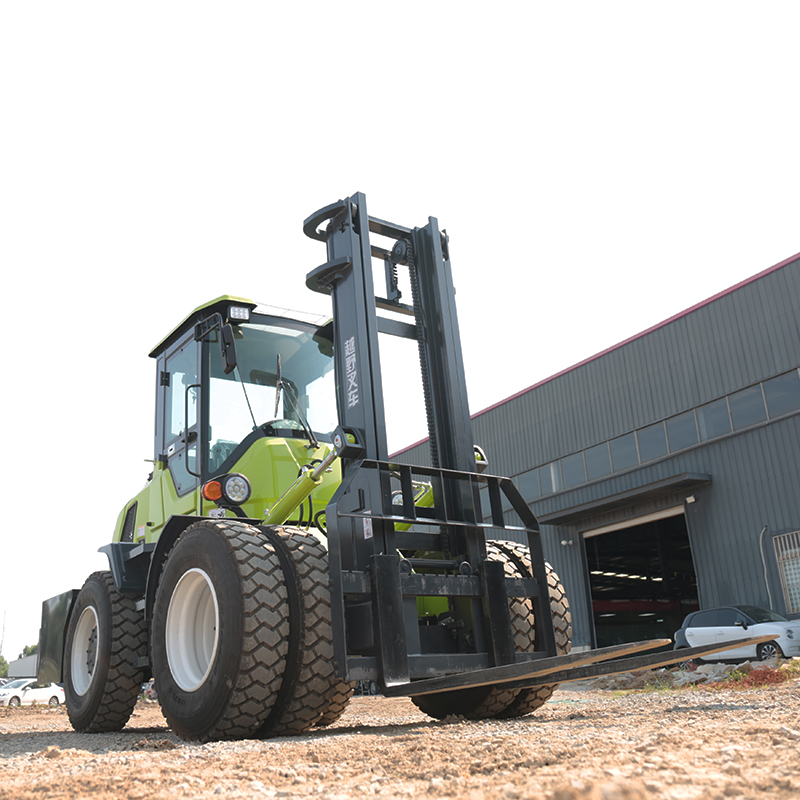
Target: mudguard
{"points": [[55, 616]]}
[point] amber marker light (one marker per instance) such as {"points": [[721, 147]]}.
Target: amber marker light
{"points": [[212, 491]]}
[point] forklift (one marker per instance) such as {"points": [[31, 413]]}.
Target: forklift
{"points": [[278, 554]]}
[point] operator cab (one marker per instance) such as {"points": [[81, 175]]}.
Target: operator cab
{"points": [[232, 373]]}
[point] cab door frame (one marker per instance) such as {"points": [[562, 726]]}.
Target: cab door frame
{"points": [[178, 424]]}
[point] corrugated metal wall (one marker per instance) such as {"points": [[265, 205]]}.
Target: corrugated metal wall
{"points": [[735, 340]]}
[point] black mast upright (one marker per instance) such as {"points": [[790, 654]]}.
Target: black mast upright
{"points": [[376, 567]]}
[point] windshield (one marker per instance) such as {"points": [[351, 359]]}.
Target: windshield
{"points": [[759, 614], [246, 397]]}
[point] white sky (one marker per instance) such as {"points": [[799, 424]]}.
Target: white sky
{"points": [[598, 166]]}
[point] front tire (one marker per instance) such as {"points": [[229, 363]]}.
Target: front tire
{"points": [[311, 694], [220, 631], [769, 650], [105, 636]]}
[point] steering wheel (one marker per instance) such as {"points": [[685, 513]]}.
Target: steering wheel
{"points": [[283, 424]]}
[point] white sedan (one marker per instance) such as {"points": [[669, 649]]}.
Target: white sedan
{"points": [[720, 625], [26, 692]]}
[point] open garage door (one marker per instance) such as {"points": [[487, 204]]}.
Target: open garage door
{"points": [[642, 578]]}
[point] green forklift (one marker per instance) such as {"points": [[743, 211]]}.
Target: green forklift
{"points": [[278, 554]]}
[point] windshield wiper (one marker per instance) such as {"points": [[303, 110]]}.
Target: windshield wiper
{"points": [[278, 386], [285, 386]]}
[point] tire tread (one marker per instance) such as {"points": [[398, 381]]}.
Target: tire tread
{"points": [[313, 695], [265, 622], [123, 681]]}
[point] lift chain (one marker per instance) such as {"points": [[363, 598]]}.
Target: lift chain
{"points": [[403, 253]]}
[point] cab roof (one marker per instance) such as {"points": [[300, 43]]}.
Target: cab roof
{"points": [[219, 305]]}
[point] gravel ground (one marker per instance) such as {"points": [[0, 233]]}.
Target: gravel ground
{"points": [[582, 744]]}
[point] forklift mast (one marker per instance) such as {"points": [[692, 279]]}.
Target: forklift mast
{"points": [[379, 563]]}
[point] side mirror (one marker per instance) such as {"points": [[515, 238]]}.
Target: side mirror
{"points": [[227, 347], [740, 623]]}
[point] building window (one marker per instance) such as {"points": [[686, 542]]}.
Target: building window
{"points": [[783, 394], [624, 454], [652, 442], [738, 411], [787, 551], [682, 431], [598, 461], [573, 470], [747, 408], [550, 478], [713, 419], [528, 484]]}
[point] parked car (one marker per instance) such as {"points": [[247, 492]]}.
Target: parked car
{"points": [[718, 625], [149, 690], [27, 691]]}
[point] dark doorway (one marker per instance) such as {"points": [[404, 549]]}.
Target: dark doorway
{"points": [[642, 581]]}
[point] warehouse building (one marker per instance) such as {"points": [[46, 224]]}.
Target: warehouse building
{"points": [[665, 471]]}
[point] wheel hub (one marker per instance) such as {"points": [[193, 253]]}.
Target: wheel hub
{"points": [[84, 650], [192, 629]]}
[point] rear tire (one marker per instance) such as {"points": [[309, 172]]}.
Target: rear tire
{"points": [[311, 694], [220, 631], [338, 702], [105, 635], [528, 700], [689, 665], [483, 702]]}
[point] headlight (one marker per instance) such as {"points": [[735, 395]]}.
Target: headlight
{"points": [[236, 488], [789, 633]]}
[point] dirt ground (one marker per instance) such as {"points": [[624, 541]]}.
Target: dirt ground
{"points": [[582, 744]]}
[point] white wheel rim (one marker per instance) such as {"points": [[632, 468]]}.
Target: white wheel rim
{"points": [[192, 629], [83, 657]]}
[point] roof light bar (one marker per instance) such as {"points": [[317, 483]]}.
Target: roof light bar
{"points": [[240, 313]]}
